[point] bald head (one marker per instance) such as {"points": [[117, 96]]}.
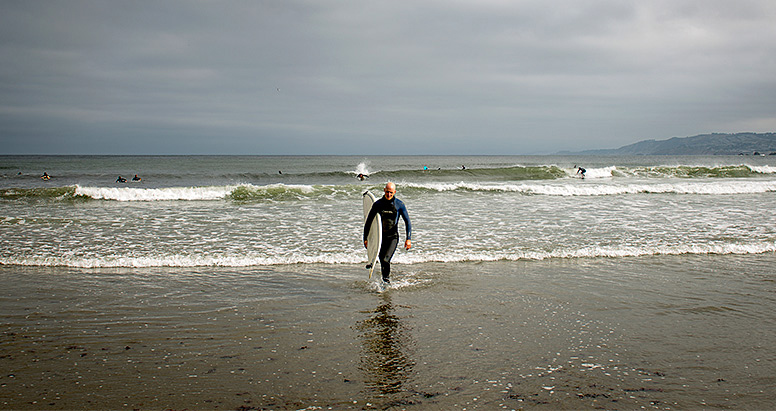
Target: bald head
{"points": [[390, 190]]}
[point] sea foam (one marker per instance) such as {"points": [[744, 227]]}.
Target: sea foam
{"points": [[154, 194], [585, 189], [417, 257]]}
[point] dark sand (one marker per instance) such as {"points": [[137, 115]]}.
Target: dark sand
{"points": [[685, 332]]}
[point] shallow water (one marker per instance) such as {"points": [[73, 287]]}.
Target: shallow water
{"points": [[233, 211]]}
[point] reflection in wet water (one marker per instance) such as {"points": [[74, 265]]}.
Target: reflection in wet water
{"points": [[385, 358]]}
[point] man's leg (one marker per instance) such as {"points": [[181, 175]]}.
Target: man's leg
{"points": [[386, 253]]}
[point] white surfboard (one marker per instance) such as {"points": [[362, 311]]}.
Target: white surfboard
{"points": [[375, 237]]}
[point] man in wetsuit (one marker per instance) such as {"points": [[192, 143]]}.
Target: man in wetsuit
{"points": [[390, 208]]}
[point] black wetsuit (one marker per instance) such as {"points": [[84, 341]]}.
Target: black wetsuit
{"points": [[389, 213]]}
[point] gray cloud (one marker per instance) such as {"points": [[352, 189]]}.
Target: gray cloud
{"points": [[353, 77]]}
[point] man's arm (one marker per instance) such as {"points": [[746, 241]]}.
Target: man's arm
{"points": [[407, 224]]}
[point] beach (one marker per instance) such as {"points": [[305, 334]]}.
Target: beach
{"points": [[655, 332], [238, 282]]}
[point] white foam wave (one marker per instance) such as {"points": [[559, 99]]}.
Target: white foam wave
{"points": [[576, 189], [155, 194], [763, 169], [182, 261], [186, 193], [555, 188], [415, 257], [593, 252]]}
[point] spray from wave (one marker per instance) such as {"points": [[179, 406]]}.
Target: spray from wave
{"points": [[362, 168]]}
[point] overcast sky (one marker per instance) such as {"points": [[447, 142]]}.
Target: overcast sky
{"points": [[379, 77]]}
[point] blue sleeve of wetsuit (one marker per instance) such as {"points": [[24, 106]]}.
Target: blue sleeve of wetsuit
{"points": [[402, 210]]}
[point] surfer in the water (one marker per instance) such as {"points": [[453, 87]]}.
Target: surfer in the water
{"points": [[390, 208], [581, 171]]}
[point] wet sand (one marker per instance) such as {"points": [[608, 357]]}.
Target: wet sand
{"points": [[681, 332]]}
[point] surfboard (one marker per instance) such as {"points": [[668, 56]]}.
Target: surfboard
{"points": [[375, 237]]}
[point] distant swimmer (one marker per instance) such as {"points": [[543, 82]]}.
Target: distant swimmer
{"points": [[280, 172], [463, 167], [580, 171], [121, 180], [362, 176], [135, 178], [45, 176]]}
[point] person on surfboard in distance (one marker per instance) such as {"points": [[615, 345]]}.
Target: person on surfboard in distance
{"points": [[390, 209], [581, 170]]}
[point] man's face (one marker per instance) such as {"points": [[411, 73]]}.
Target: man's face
{"points": [[389, 192]]}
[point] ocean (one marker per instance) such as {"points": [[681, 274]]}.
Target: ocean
{"points": [[238, 282]]}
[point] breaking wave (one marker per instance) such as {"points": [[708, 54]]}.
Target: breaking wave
{"points": [[706, 188], [419, 257], [291, 192]]}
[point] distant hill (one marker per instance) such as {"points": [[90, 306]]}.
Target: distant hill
{"points": [[704, 144]]}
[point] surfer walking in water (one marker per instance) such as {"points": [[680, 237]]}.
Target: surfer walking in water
{"points": [[390, 209]]}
